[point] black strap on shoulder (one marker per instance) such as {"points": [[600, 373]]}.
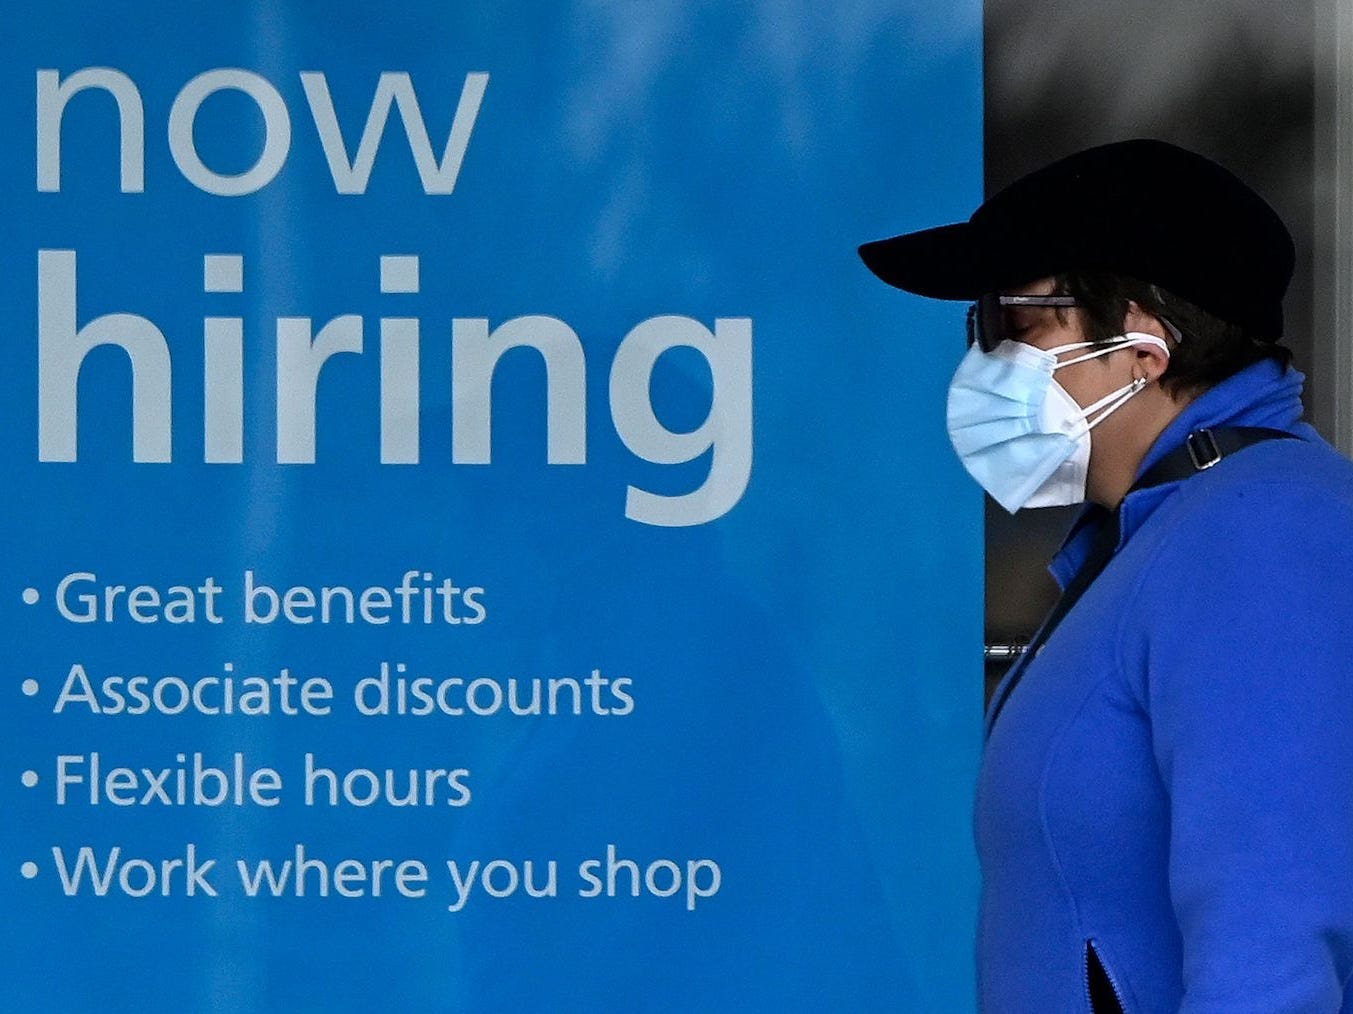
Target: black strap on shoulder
{"points": [[1201, 450]]}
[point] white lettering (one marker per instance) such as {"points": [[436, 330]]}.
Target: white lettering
{"points": [[276, 132], [62, 349], [475, 352], [727, 429], [351, 177], [53, 94]]}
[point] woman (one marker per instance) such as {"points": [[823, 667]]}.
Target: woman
{"points": [[1165, 809]]}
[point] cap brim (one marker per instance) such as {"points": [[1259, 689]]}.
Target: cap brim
{"points": [[947, 262]]}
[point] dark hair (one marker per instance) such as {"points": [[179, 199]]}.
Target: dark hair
{"points": [[1210, 349]]}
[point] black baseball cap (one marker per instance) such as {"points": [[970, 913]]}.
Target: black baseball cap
{"points": [[1143, 208]]}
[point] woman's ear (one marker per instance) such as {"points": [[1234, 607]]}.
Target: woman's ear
{"points": [[1137, 319], [1151, 360]]}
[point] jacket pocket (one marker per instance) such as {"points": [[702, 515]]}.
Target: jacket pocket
{"points": [[1103, 993]]}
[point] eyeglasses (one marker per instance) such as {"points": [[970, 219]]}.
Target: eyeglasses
{"points": [[988, 323]]}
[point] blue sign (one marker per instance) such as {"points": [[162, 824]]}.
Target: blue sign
{"points": [[478, 538]]}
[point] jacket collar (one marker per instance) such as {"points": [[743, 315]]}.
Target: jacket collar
{"points": [[1262, 394]]}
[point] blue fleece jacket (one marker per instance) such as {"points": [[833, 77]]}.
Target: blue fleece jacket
{"points": [[1171, 782]]}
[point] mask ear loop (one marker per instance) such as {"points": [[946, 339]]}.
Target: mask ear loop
{"points": [[1097, 345], [1112, 345], [1114, 400]]}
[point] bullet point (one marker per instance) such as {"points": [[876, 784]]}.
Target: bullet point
{"points": [[29, 870], [30, 688], [30, 596], [30, 778]]}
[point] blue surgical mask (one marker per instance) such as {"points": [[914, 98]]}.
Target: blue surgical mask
{"points": [[1018, 432]]}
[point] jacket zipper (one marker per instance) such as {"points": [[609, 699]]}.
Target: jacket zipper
{"points": [[1091, 950]]}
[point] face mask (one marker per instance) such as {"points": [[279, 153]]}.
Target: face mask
{"points": [[1018, 432]]}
